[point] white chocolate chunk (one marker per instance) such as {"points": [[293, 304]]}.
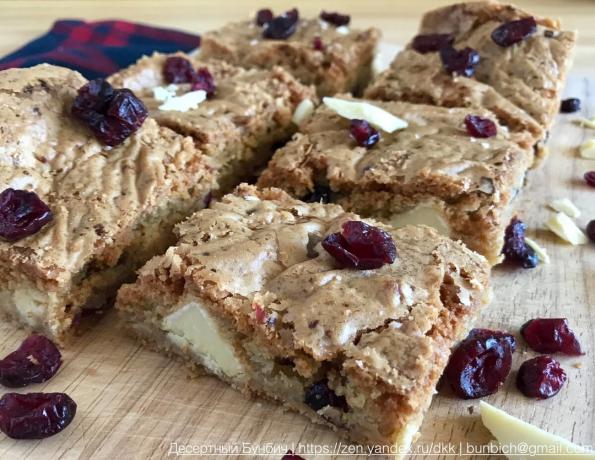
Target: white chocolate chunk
{"points": [[587, 150], [423, 214], [587, 122], [524, 441], [566, 206], [303, 111], [185, 102], [163, 93], [343, 30], [542, 254], [193, 326], [358, 110], [565, 228]]}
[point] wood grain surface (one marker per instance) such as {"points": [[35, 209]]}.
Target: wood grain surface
{"points": [[133, 404]]}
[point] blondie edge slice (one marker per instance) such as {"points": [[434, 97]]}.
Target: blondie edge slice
{"points": [[248, 112], [432, 171], [336, 59], [521, 82], [249, 293], [113, 207]]}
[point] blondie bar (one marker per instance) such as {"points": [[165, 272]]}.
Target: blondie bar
{"points": [[434, 171], [484, 54], [239, 116], [251, 293], [325, 51], [77, 216]]}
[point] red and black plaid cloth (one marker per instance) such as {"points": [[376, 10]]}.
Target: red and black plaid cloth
{"points": [[99, 48]]}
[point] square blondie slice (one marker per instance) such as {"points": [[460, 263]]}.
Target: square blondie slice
{"points": [[244, 114], [113, 207], [521, 81], [432, 171], [326, 53], [250, 293]]}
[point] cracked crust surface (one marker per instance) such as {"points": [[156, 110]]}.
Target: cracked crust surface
{"points": [[344, 65], [250, 112], [433, 160], [380, 337], [105, 201], [522, 83]]}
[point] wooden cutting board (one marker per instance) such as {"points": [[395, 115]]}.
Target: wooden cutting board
{"points": [[133, 403]]}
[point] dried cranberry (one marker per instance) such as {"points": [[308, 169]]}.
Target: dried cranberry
{"points": [[35, 361], [428, 43], [35, 415], [112, 114], [551, 335], [283, 26], [460, 62], [204, 80], [335, 18], [570, 105], [590, 178], [361, 246], [516, 251], [291, 456], [480, 363], [480, 127], [591, 230], [264, 16], [319, 395], [22, 214], [317, 44], [540, 377], [363, 133], [321, 194], [513, 32], [178, 69]]}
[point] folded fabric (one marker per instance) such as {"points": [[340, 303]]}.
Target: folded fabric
{"points": [[98, 48]]}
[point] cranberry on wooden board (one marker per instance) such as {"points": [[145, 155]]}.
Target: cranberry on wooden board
{"points": [[570, 105], [591, 230], [22, 214], [541, 377], [428, 43], [35, 415], [363, 133], [361, 246], [516, 251], [112, 114], [590, 178], [477, 126], [479, 365], [289, 455], [551, 335], [513, 32], [35, 361]]}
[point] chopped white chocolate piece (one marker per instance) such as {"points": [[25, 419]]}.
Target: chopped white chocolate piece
{"points": [[357, 110], [565, 228], [542, 255], [343, 30], [566, 206], [587, 122], [526, 439], [164, 93], [303, 111], [587, 150], [185, 102], [423, 214]]}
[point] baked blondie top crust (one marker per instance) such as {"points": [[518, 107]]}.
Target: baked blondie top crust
{"points": [[253, 268], [432, 163], [250, 111], [529, 74], [112, 206], [342, 62]]}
